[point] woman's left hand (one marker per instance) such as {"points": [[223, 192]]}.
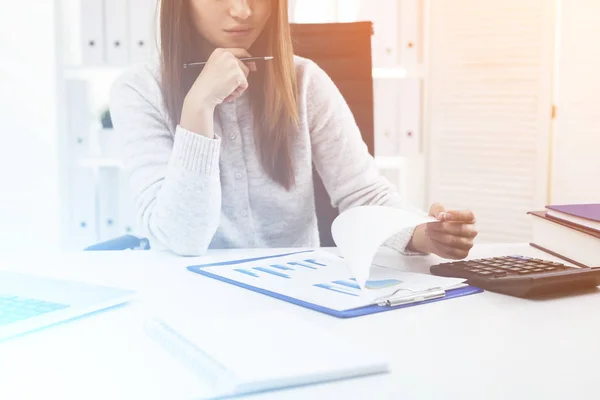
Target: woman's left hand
{"points": [[452, 237]]}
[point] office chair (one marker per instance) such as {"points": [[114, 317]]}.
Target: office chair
{"points": [[125, 242], [343, 51]]}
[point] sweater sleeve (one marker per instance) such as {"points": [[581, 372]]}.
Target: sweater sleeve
{"points": [[341, 157], [174, 178]]}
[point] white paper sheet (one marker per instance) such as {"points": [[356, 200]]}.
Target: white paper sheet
{"points": [[359, 232], [322, 278]]}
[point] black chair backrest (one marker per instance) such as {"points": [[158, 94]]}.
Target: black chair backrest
{"points": [[343, 51]]}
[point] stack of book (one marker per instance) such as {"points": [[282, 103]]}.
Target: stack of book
{"points": [[570, 232]]}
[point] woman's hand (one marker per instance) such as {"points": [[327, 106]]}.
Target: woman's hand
{"points": [[452, 237], [223, 78]]}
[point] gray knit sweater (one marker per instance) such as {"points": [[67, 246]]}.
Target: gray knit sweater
{"points": [[193, 193]]}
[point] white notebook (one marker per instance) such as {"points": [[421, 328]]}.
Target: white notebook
{"points": [[257, 352]]}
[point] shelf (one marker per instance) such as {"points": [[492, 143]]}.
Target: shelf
{"points": [[389, 73], [93, 71], [396, 73], [389, 162], [101, 163]]}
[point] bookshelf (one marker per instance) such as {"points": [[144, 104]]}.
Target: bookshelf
{"points": [[97, 41]]}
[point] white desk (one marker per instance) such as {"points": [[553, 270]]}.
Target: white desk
{"points": [[485, 346]]}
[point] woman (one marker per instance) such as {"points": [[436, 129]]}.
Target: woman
{"points": [[222, 156]]}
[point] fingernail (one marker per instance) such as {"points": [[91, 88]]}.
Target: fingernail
{"points": [[448, 216], [440, 215]]}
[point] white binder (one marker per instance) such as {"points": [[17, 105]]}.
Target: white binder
{"points": [[116, 31], [127, 217], [385, 92], [409, 35], [107, 188], [92, 32], [384, 16], [142, 28], [82, 228], [409, 117]]}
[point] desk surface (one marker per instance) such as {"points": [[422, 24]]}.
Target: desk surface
{"points": [[486, 346]]}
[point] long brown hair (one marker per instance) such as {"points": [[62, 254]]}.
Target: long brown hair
{"points": [[273, 88]]}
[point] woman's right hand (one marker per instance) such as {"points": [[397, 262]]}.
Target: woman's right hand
{"points": [[223, 78]]}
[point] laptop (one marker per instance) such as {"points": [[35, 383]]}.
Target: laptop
{"points": [[30, 302]]}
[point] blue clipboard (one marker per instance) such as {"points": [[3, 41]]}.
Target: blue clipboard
{"points": [[356, 312]]}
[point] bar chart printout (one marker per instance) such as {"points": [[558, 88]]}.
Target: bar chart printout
{"points": [[323, 279]]}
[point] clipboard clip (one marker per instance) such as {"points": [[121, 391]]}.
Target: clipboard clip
{"points": [[433, 293]]}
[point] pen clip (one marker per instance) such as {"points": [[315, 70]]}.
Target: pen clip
{"points": [[430, 294]]}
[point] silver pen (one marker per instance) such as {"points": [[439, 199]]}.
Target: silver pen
{"points": [[241, 59]]}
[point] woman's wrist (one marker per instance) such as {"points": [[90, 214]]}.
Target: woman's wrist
{"points": [[418, 241], [198, 117]]}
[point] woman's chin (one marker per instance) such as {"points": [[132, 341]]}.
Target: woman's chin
{"points": [[237, 43]]}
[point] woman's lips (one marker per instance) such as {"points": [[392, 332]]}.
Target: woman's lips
{"points": [[238, 32]]}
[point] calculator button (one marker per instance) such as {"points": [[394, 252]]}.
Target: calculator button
{"points": [[486, 273]]}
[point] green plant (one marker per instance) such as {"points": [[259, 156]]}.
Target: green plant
{"points": [[106, 120]]}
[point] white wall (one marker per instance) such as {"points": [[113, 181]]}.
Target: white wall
{"points": [[28, 126], [576, 160]]}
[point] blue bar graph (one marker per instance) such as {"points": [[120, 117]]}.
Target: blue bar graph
{"points": [[270, 271], [305, 265], [245, 271], [351, 284], [312, 261], [383, 283], [281, 267], [335, 289]]}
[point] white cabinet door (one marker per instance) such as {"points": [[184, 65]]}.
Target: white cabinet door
{"points": [[488, 111]]}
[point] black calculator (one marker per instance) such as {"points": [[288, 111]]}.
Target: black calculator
{"points": [[520, 276]]}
